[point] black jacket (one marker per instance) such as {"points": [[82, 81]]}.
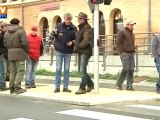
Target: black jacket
{"points": [[3, 50], [64, 34]]}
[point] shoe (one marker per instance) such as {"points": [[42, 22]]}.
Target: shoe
{"points": [[12, 89], [66, 90], [27, 86], [89, 89], [158, 90], [130, 88], [19, 90], [33, 86], [56, 90], [119, 87], [4, 88], [80, 91]]}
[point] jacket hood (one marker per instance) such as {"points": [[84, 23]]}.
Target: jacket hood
{"points": [[13, 28]]}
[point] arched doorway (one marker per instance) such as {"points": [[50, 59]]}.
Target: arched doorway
{"points": [[44, 27], [117, 25], [57, 19], [101, 32], [118, 21]]}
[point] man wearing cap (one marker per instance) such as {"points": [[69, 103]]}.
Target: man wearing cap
{"points": [[16, 42], [3, 53], [63, 40], [35, 51], [126, 46], [84, 50]]}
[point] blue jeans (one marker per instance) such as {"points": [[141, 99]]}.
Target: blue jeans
{"points": [[60, 58], [31, 67], [85, 78], [2, 71], [157, 63], [128, 65]]}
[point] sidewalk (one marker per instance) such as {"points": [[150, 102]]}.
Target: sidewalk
{"points": [[105, 95]]}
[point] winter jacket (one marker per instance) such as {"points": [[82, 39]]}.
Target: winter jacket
{"points": [[64, 34], [3, 50], [35, 43], [16, 42], [83, 41], [126, 41], [156, 46]]}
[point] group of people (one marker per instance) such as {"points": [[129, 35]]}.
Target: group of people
{"points": [[66, 40], [18, 50]]}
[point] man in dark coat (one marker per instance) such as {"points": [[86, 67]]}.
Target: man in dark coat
{"points": [[84, 50], [16, 42], [63, 37], [3, 53], [126, 46]]}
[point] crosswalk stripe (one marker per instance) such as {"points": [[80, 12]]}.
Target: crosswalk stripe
{"points": [[21, 119], [98, 115], [146, 106]]}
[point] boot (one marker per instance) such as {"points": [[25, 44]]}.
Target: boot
{"points": [[89, 89], [4, 88], [80, 91], [12, 89], [19, 90]]}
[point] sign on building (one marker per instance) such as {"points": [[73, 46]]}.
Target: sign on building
{"points": [[3, 12]]}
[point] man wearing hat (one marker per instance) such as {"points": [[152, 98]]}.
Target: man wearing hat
{"points": [[3, 53], [126, 46], [16, 42], [84, 50]]}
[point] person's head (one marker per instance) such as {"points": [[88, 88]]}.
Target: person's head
{"points": [[130, 25], [68, 18], [82, 18], [4, 26], [34, 30], [14, 21]]}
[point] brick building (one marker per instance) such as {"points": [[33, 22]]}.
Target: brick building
{"points": [[46, 13]]}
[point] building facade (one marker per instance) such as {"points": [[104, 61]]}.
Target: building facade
{"points": [[47, 13]]}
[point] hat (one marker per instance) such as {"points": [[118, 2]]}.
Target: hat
{"points": [[15, 21], [3, 24], [130, 23], [83, 16], [34, 28]]}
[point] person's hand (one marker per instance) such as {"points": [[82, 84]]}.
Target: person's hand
{"points": [[69, 43], [52, 46]]}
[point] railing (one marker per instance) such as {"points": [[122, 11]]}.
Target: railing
{"points": [[108, 47]]}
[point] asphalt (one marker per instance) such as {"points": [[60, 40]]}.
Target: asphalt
{"points": [[107, 92]]}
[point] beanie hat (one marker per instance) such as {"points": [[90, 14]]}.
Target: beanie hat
{"points": [[15, 21], [34, 28]]}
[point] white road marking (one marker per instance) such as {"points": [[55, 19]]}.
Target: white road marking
{"points": [[146, 106], [21, 119], [98, 115]]}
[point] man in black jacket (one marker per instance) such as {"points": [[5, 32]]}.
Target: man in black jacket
{"points": [[3, 53], [63, 37]]}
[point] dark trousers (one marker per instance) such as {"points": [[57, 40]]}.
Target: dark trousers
{"points": [[85, 78], [17, 70], [128, 65], [157, 63]]}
